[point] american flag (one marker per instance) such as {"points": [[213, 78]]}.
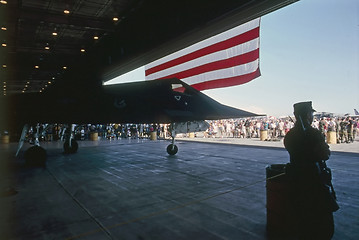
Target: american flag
{"points": [[227, 59]]}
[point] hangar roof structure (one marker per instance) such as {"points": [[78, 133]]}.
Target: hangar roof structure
{"points": [[48, 43]]}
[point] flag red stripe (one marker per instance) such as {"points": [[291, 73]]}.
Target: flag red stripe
{"points": [[231, 42], [222, 64], [227, 82]]}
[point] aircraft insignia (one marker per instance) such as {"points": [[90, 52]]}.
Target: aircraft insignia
{"points": [[119, 103]]}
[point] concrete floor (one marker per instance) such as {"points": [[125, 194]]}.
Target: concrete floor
{"points": [[131, 189]]}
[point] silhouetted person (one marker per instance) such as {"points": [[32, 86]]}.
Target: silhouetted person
{"points": [[312, 193]]}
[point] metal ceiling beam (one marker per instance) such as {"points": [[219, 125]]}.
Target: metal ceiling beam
{"points": [[34, 16]]}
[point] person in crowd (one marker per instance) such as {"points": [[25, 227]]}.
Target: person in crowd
{"points": [[258, 128], [280, 128], [337, 129], [322, 126], [350, 127], [247, 125], [228, 128], [315, 123], [355, 128], [273, 129], [331, 125], [344, 131]]}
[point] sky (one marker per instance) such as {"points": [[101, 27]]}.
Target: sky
{"points": [[309, 51]]}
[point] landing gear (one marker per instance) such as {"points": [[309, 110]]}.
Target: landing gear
{"points": [[22, 138], [35, 156], [172, 149], [70, 146]]}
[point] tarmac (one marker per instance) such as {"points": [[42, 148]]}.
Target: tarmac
{"points": [[131, 189], [277, 143]]}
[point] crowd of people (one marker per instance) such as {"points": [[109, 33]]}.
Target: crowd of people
{"points": [[346, 129], [249, 128], [53, 132]]}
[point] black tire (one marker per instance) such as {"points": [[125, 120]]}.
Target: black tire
{"points": [[35, 156], [73, 148], [172, 150]]}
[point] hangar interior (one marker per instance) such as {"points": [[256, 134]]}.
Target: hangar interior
{"points": [[50, 43], [130, 189]]}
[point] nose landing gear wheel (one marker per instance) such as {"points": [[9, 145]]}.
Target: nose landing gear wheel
{"points": [[172, 149]]}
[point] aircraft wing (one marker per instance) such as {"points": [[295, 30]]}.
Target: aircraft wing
{"points": [[167, 100], [156, 101]]}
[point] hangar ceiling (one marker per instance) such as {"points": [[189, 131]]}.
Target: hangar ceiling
{"points": [[48, 42]]}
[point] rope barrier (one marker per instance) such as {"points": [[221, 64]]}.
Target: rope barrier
{"points": [[169, 209]]}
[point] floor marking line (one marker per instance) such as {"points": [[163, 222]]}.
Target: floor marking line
{"points": [[101, 227]]}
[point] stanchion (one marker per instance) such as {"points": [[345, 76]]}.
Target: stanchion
{"points": [[5, 139], [153, 136], [263, 135], [331, 137], [94, 136]]}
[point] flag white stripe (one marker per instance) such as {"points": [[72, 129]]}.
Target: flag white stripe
{"points": [[216, 56], [223, 73]]}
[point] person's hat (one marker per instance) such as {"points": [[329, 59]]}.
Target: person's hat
{"points": [[303, 107]]}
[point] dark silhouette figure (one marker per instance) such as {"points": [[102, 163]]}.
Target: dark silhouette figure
{"points": [[312, 194]]}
